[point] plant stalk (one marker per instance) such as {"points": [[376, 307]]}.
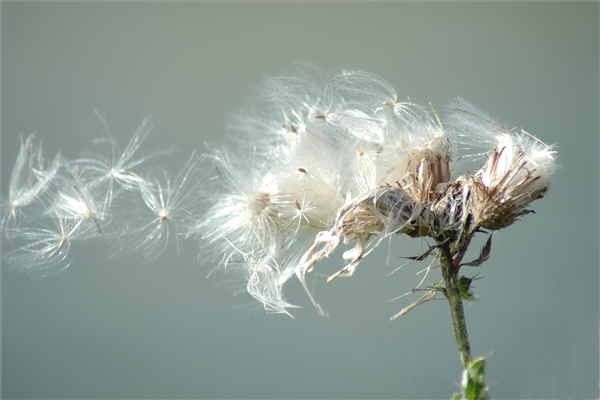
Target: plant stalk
{"points": [[451, 276]]}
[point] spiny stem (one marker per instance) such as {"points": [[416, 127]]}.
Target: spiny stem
{"points": [[450, 272]]}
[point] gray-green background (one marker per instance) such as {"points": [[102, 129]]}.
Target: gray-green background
{"points": [[107, 328]]}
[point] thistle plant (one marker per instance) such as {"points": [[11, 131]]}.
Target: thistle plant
{"points": [[324, 160]]}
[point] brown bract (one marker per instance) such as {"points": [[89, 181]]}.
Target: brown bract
{"points": [[498, 205]]}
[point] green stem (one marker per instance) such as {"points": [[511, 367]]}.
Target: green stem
{"points": [[451, 276]]}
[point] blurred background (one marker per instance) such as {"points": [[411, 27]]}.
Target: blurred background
{"points": [[120, 328]]}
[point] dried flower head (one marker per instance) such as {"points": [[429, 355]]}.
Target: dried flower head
{"points": [[339, 159]]}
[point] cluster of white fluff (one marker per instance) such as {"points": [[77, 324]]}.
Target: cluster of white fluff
{"points": [[326, 158], [321, 160], [97, 196]]}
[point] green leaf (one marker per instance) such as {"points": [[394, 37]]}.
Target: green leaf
{"points": [[473, 381]]}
